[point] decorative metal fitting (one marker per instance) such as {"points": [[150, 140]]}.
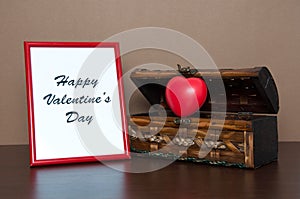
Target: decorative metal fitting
{"points": [[183, 141], [186, 71]]}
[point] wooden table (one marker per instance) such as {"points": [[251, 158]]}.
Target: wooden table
{"points": [[179, 180]]}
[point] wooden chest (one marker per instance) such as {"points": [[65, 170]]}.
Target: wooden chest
{"points": [[245, 135]]}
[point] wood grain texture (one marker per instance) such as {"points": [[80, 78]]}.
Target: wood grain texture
{"points": [[254, 72], [247, 90], [178, 180], [203, 123]]}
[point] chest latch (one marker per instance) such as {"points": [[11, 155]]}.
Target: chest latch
{"points": [[244, 115], [180, 121]]}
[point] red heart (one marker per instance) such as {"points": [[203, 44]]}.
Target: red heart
{"points": [[185, 95]]}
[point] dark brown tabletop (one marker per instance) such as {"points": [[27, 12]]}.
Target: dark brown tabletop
{"points": [[179, 180]]}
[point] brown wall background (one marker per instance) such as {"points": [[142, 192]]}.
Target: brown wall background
{"points": [[236, 33]]}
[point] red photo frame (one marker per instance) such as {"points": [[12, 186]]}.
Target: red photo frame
{"points": [[57, 74]]}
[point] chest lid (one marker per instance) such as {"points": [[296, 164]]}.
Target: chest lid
{"points": [[247, 90]]}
